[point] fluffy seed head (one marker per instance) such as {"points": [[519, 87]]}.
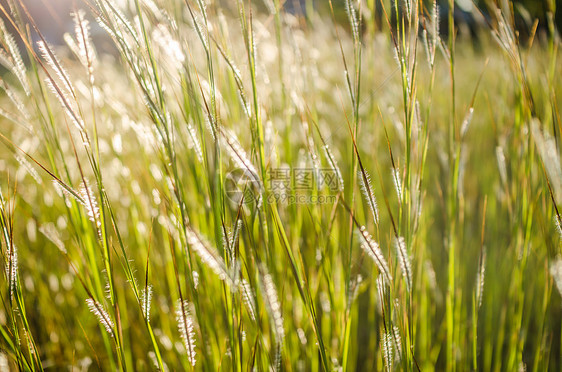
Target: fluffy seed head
{"points": [[397, 342], [186, 329], [556, 272], [90, 203], [367, 188], [397, 183], [12, 268], [207, 255], [404, 261], [466, 121], [480, 278], [387, 350], [273, 306], [372, 249], [105, 320], [248, 298], [146, 299], [334, 165]]}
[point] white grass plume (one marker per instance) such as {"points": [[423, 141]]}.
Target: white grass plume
{"points": [[368, 193], [352, 16], [556, 272], [550, 156], [201, 29], [372, 249], [105, 320], [16, 64], [353, 290], [146, 300], [196, 143], [242, 161], [65, 102], [208, 256], [387, 350], [53, 61], [170, 47], [226, 244], [432, 40], [466, 121], [505, 37], [154, 360], [84, 196], [64, 190], [237, 153], [432, 279], [159, 13], [397, 183], [334, 165], [397, 342], [427, 47], [435, 22], [195, 275], [86, 50], [234, 274], [238, 80], [480, 278], [270, 7], [16, 100], [248, 298], [51, 233], [28, 167], [236, 233], [230, 239], [121, 30], [277, 359], [16, 120], [273, 305], [500, 157], [404, 261], [186, 329], [90, 203], [12, 268]]}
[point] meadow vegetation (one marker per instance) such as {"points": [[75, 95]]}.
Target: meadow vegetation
{"points": [[147, 221]]}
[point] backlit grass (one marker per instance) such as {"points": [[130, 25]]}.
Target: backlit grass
{"points": [[232, 187]]}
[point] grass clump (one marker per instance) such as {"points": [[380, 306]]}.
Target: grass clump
{"points": [[232, 187]]}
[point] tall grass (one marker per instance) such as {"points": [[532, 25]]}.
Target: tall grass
{"points": [[148, 222]]}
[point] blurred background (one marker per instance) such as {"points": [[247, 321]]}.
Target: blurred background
{"points": [[52, 16]]}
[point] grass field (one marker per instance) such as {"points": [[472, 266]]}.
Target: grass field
{"points": [[237, 188]]}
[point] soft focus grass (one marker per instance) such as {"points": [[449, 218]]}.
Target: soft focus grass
{"points": [[115, 180]]}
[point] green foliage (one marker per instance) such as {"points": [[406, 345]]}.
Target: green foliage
{"points": [[236, 189]]}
